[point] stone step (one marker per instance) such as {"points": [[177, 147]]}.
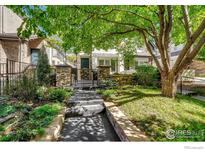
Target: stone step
{"points": [[84, 110], [85, 102], [83, 97]]}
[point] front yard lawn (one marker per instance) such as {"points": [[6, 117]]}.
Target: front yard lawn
{"points": [[155, 114]]}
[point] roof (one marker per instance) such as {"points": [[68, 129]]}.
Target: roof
{"points": [[9, 36], [112, 53], [142, 53]]}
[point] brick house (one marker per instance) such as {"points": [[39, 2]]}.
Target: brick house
{"points": [[16, 49]]}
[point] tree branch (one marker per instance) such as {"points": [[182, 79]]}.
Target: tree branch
{"points": [[150, 51], [168, 29], [192, 54], [162, 37], [188, 44], [186, 20], [120, 32]]}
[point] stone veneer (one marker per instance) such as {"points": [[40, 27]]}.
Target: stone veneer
{"points": [[52, 132], [123, 79], [85, 74], [63, 75], [124, 128], [103, 72]]}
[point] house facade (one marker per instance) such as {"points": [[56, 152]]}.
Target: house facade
{"points": [[111, 58], [18, 50]]}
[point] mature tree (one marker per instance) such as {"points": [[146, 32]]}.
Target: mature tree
{"points": [[83, 28]]}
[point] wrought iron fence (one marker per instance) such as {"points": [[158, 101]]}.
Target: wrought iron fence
{"points": [[10, 72], [83, 78]]}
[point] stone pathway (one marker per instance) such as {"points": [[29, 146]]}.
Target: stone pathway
{"points": [[86, 119]]}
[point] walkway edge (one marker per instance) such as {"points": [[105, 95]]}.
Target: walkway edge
{"points": [[125, 129], [52, 132]]}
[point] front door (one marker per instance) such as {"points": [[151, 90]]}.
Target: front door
{"points": [[84, 63], [85, 72]]}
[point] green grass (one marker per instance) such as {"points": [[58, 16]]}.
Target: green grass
{"points": [[155, 114]]}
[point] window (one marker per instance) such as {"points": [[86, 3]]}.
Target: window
{"points": [[101, 62], [107, 62], [84, 63], [34, 56], [104, 62], [114, 65]]}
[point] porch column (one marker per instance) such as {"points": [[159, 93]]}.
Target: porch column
{"points": [[103, 72], [63, 76]]}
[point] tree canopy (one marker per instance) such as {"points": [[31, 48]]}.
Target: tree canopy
{"points": [[83, 28]]}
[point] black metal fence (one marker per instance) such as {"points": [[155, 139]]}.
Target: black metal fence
{"points": [[10, 71], [83, 78]]}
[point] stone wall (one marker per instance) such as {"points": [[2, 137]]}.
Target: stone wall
{"points": [[63, 75], [85, 74], [123, 79], [124, 128], [103, 72]]}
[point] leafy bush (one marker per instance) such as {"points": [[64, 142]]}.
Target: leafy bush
{"points": [[34, 123], [58, 94], [6, 109], [108, 84], [147, 75], [43, 68], [41, 93], [106, 94], [24, 89]]}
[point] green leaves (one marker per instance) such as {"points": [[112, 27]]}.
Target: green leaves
{"points": [[82, 28]]}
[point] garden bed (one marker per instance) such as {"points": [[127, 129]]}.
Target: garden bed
{"points": [[39, 119], [155, 114]]}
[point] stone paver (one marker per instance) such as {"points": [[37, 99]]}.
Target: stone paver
{"points": [[86, 119]]}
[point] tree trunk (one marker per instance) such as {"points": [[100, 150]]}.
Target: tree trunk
{"points": [[169, 85]]}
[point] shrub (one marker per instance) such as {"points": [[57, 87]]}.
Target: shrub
{"points": [[58, 94], [24, 89], [6, 109], [108, 84], [147, 75], [106, 94], [43, 68], [34, 123], [41, 93]]}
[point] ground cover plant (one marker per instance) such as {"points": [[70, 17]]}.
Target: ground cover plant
{"points": [[33, 123], [155, 114]]}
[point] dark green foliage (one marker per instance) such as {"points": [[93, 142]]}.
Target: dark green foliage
{"points": [[43, 68], [108, 84], [33, 124], [58, 94], [24, 89], [107, 94], [6, 109], [147, 75]]}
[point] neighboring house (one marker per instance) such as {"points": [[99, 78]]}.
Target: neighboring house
{"points": [[110, 58], [16, 49]]}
